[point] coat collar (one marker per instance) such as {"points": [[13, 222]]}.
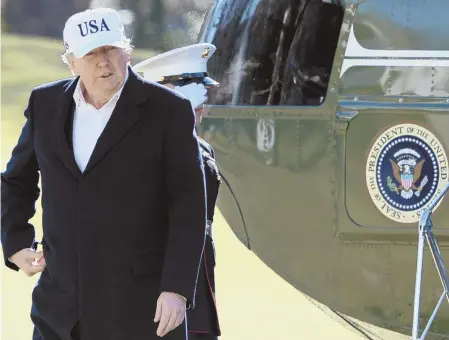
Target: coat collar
{"points": [[123, 118]]}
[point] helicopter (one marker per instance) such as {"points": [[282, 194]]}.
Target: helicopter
{"points": [[331, 126]]}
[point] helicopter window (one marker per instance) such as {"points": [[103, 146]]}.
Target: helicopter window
{"points": [[402, 25], [411, 81], [272, 52]]}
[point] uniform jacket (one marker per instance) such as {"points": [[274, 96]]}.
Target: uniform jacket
{"points": [[128, 227], [204, 317]]}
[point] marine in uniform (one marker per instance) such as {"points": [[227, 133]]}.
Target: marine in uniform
{"points": [[185, 71]]}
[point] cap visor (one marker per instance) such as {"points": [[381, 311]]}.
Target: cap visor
{"points": [[91, 45], [209, 82]]}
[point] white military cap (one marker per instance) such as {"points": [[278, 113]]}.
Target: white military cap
{"points": [[188, 63]]}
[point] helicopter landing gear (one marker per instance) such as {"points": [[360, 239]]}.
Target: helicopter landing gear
{"points": [[425, 232]]}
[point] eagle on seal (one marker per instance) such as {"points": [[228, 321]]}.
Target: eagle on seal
{"points": [[407, 175]]}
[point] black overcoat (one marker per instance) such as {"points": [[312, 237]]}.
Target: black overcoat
{"points": [[128, 227], [204, 317]]}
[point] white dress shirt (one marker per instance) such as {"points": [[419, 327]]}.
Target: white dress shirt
{"points": [[89, 123]]}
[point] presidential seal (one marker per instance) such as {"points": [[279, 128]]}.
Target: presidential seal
{"points": [[406, 168]]}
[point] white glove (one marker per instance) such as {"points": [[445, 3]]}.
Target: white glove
{"points": [[196, 93]]}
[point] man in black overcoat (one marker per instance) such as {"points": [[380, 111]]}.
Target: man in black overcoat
{"points": [[123, 196]]}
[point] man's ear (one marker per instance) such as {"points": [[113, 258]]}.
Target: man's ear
{"points": [[71, 65], [72, 70], [128, 57]]}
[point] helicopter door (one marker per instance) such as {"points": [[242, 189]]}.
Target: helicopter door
{"points": [[393, 99]]}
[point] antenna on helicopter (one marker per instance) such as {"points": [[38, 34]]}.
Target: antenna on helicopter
{"points": [[425, 232]]}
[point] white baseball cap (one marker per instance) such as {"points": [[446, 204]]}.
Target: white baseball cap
{"points": [[85, 31]]}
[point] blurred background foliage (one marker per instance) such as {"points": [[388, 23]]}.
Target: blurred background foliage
{"points": [[155, 24]]}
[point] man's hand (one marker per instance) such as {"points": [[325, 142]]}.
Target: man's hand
{"points": [[170, 312], [30, 261]]}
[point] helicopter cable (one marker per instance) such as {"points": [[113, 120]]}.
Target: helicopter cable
{"points": [[238, 207], [352, 324], [208, 156], [348, 321]]}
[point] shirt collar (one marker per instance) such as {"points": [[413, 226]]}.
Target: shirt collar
{"points": [[78, 96]]}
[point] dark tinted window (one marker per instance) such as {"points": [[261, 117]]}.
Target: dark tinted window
{"points": [[272, 52]]}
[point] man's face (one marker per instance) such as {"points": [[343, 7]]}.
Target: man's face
{"points": [[103, 69]]}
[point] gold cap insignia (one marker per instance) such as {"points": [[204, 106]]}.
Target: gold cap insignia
{"points": [[205, 53]]}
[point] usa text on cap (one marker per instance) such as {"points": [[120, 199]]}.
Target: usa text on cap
{"points": [[93, 28], [184, 63]]}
